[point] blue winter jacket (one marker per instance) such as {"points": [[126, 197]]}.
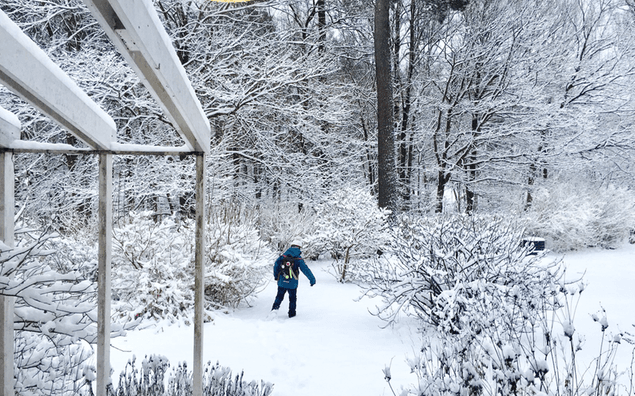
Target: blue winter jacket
{"points": [[292, 283]]}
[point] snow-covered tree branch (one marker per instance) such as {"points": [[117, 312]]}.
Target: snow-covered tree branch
{"points": [[59, 305]]}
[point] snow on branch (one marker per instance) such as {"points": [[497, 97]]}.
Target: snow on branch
{"points": [[47, 301]]}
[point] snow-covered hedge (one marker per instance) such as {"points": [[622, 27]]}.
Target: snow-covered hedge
{"points": [[519, 342], [237, 261], [217, 380], [43, 368], [281, 224], [495, 321], [151, 268], [431, 261], [153, 271], [574, 215], [351, 228], [55, 315]]}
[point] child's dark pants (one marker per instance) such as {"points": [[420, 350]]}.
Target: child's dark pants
{"points": [[293, 298]]}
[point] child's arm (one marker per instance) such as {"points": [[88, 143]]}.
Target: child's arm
{"points": [[306, 271]]}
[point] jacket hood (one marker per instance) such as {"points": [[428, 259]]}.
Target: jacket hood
{"points": [[293, 252]]}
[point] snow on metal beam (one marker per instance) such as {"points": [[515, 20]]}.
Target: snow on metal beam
{"points": [[29, 72], [27, 146], [135, 29], [9, 127]]}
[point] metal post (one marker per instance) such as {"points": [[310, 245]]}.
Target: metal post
{"points": [[199, 284], [103, 277], [6, 346], [6, 303]]}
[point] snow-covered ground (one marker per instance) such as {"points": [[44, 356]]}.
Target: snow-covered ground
{"points": [[610, 285], [332, 347], [335, 347]]}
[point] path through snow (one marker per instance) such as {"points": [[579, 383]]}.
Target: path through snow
{"points": [[332, 347]]}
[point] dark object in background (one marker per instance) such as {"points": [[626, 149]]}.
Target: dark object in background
{"points": [[535, 244]]}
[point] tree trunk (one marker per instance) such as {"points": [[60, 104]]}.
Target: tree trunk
{"points": [[442, 156], [369, 160], [443, 180], [470, 196], [385, 138], [345, 266], [530, 182], [405, 144], [321, 11]]}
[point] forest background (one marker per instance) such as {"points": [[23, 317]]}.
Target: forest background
{"points": [[520, 110], [499, 107]]}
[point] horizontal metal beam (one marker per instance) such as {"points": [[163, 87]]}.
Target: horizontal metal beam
{"points": [[22, 146], [136, 30], [30, 73], [10, 127]]}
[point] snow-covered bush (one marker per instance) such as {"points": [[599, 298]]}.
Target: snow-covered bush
{"points": [[217, 380], [74, 253], [496, 321], [43, 368], [531, 351], [351, 227], [574, 215], [431, 261], [236, 260], [61, 305], [55, 313], [153, 270], [281, 224], [148, 380]]}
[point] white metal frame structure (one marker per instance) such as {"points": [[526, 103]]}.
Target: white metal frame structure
{"points": [[135, 29]]}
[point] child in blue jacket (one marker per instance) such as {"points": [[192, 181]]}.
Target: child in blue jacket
{"points": [[286, 271]]}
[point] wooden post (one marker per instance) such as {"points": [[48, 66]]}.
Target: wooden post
{"points": [[199, 273], [103, 278], [6, 303]]}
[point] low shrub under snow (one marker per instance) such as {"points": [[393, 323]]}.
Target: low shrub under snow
{"points": [[150, 380]]}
